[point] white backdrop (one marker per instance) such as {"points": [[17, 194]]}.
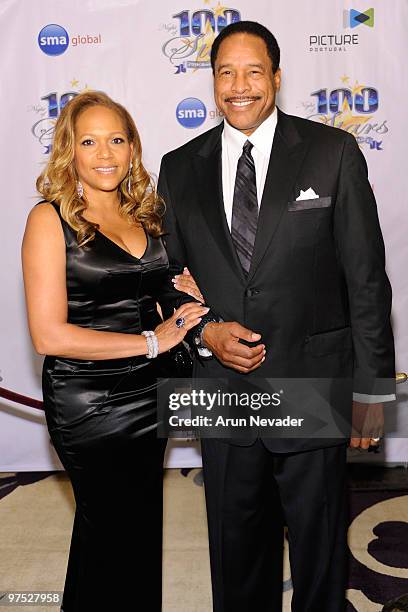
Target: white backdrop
{"points": [[152, 56]]}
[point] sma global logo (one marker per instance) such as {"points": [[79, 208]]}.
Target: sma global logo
{"points": [[53, 39], [191, 113]]}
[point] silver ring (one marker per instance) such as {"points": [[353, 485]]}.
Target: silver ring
{"points": [[180, 322]]}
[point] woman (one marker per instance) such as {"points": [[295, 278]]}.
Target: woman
{"points": [[94, 269]]}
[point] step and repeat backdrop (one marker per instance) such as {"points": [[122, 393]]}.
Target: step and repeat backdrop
{"points": [[343, 64]]}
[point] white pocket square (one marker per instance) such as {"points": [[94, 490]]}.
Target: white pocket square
{"points": [[309, 194]]}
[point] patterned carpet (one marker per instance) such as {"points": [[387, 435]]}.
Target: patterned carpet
{"points": [[378, 538], [378, 533]]}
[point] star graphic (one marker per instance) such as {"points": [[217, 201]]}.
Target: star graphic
{"points": [[188, 42], [205, 44], [219, 10], [347, 121], [345, 79], [74, 83], [357, 89]]}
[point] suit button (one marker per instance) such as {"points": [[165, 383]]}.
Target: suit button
{"points": [[250, 292]]}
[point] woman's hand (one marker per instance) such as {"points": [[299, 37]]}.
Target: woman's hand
{"points": [[186, 283], [169, 335]]}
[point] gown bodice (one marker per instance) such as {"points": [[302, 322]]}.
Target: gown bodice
{"points": [[108, 289]]}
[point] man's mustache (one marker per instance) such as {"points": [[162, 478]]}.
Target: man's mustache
{"points": [[242, 98]]}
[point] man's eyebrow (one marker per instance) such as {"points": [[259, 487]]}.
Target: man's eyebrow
{"points": [[221, 66]]}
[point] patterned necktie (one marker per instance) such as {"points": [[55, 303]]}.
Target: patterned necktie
{"points": [[245, 208]]}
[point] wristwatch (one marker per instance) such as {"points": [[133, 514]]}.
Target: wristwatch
{"points": [[202, 350]]}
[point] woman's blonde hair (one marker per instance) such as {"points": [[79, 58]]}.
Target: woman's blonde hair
{"points": [[58, 181]]}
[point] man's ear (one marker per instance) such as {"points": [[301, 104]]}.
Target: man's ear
{"points": [[277, 79]]}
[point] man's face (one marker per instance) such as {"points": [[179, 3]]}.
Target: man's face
{"points": [[244, 85]]}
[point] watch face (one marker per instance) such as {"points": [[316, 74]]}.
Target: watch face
{"points": [[204, 352]]}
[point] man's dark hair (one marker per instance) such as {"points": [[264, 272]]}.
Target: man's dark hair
{"points": [[248, 27]]}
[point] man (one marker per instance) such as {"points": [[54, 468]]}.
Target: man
{"points": [[276, 221]]}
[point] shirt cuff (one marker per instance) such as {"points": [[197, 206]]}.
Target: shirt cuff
{"points": [[373, 399]]}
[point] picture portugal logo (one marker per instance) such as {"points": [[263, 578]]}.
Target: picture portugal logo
{"points": [[353, 18]]}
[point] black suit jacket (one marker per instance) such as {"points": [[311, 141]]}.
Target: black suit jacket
{"points": [[317, 289]]}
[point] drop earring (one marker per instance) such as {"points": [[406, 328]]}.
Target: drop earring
{"points": [[129, 181], [80, 189]]}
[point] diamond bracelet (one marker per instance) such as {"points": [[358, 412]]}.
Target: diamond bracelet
{"points": [[152, 344]]}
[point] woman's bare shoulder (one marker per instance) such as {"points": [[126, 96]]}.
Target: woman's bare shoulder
{"points": [[43, 220], [44, 211], [44, 217]]}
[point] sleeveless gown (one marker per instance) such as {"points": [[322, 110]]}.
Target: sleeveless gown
{"points": [[101, 416]]}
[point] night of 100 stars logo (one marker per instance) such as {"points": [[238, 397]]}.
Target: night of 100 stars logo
{"points": [[192, 34], [352, 108], [47, 111]]}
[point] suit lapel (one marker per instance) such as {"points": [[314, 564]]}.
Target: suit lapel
{"points": [[288, 152], [208, 171]]}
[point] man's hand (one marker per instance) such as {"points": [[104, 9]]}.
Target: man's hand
{"points": [[367, 423], [223, 340]]}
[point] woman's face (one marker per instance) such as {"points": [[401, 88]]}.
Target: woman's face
{"points": [[102, 150]]}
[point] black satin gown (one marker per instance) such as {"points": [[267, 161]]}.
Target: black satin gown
{"points": [[101, 416]]}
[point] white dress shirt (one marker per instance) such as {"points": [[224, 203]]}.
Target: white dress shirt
{"points": [[232, 142]]}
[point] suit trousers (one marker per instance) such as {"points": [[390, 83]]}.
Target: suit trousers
{"points": [[251, 493]]}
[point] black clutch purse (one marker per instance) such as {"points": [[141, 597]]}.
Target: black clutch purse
{"points": [[180, 361]]}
